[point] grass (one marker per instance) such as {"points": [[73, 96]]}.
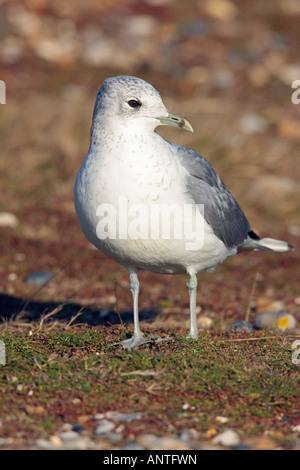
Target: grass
{"points": [[57, 374]]}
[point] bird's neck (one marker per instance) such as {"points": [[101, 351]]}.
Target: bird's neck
{"points": [[121, 140]]}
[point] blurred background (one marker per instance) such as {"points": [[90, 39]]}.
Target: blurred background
{"points": [[225, 65]]}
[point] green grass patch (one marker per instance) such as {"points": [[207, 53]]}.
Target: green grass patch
{"points": [[72, 371]]}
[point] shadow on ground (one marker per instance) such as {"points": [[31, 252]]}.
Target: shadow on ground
{"points": [[17, 309]]}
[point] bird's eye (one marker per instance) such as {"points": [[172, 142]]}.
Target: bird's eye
{"points": [[134, 103]]}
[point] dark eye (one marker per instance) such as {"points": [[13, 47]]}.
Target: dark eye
{"points": [[134, 103]]}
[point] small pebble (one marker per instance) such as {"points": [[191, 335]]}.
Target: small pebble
{"points": [[56, 440], [222, 419], [211, 432], [286, 321], [128, 417], [104, 427], [39, 278], [274, 319], [264, 304], [242, 327], [132, 445], [228, 438], [79, 443], [44, 444], [252, 124], [189, 434], [7, 219], [66, 427], [265, 320], [204, 322], [241, 446], [3, 441], [149, 441], [77, 427], [261, 443], [114, 437], [223, 78], [68, 435]]}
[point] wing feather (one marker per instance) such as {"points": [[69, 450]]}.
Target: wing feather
{"points": [[221, 211]]}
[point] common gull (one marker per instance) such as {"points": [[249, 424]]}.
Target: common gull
{"points": [[153, 205]]}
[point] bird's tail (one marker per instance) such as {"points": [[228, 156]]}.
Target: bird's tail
{"points": [[274, 245], [265, 244]]}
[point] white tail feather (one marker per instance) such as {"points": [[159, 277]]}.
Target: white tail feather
{"points": [[265, 244], [274, 245]]}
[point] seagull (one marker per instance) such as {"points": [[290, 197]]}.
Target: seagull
{"points": [[151, 204]]}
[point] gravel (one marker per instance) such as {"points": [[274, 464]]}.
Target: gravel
{"points": [[114, 435]]}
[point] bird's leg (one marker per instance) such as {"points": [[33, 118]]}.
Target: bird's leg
{"points": [[135, 289], [137, 339], [192, 287]]}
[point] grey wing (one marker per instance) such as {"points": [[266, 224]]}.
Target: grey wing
{"points": [[221, 211]]}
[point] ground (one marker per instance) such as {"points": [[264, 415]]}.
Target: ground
{"points": [[228, 68]]}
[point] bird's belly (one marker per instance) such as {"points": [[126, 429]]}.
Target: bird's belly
{"points": [[154, 236], [165, 256]]}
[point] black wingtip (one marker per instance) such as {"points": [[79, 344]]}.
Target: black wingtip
{"points": [[253, 235]]}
